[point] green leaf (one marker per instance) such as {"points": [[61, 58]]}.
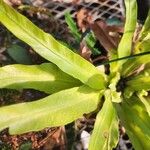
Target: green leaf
{"points": [[136, 121], [146, 101], [105, 135], [115, 96], [91, 41], [146, 28], [19, 54], [143, 46], [55, 110], [26, 146], [49, 48], [143, 43], [140, 82], [125, 46], [72, 26], [128, 92], [134, 64], [45, 77]]}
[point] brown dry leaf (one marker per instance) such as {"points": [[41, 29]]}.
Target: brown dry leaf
{"points": [[102, 34], [114, 32], [55, 140], [83, 19], [102, 0], [2, 56], [47, 139], [109, 37], [99, 59], [137, 33], [13, 2], [114, 28], [85, 52], [76, 1], [15, 145], [34, 139]]}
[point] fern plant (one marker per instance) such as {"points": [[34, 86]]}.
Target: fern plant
{"points": [[76, 87]]}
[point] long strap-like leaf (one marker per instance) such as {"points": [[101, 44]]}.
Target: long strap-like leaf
{"points": [[145, 100], [46, 77], [146, 28], [49, 48], [136, 121], [124, 48], [55, 110], [105, 134], [143, 44], [133, 64], [139, 83]]}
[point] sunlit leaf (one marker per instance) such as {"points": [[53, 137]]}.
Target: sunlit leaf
{"points": [[115, 96], [143, 43], [143, 46], [49, 48], [134, 64], [55, 110], [146, 101], [146, 28], [125, 45], [45, 77], [136, 121], [105, 134], [140, 82]]}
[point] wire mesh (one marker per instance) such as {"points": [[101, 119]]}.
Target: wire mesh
{"points": [[100, 9]]}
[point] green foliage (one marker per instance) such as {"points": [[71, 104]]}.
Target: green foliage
{"points": [[19, 54], [145, 100], [34, 116], [140, 82], [46, 77], [49, 48], [142, 45], [124, 48], [132, 65], [146, 28], [136, 121], [26, 146], [88, 36], [125, 90], [73, 27], [91, 41], [105, 134]]}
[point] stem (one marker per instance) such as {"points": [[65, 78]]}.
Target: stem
{"points": [[126, 57]]}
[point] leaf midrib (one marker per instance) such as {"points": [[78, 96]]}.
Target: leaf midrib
{"points": [[36, 39], [53, 110], [28, 78]]}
